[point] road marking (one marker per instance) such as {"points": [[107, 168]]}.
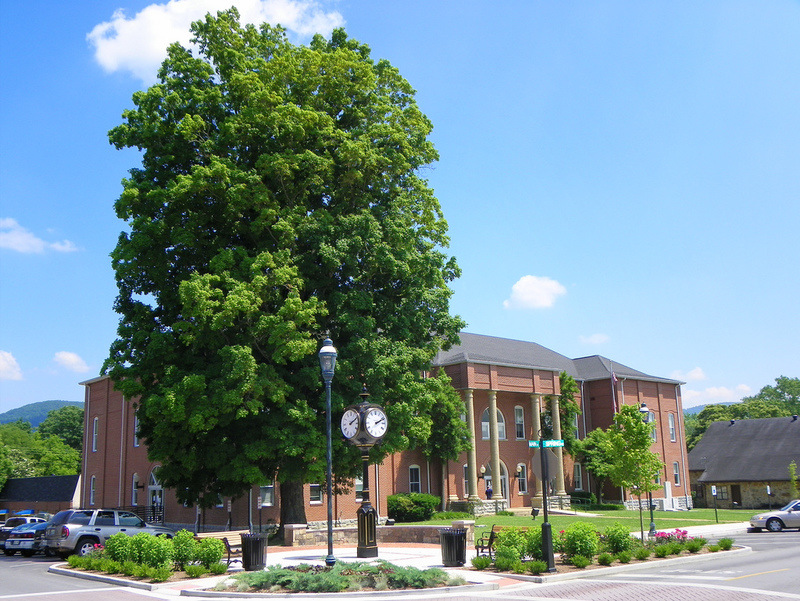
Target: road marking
{"points": [[46, 593], [758, 574]]}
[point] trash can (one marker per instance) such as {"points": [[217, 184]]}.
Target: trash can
{"points": [[454, 546], [254, 551]]}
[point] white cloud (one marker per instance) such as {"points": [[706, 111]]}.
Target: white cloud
{"points": [[534, 292], [15, 237], [71, 361], [714, 394], [693, 375], [139, 44], [9, 368], [594, 339]]}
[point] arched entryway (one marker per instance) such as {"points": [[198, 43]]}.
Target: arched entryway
{"points": [[489, 481]]}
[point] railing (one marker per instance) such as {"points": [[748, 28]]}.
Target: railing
{"points": [[152, 514]]}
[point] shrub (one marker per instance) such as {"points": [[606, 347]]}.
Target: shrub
{"points": [[585, 495], [77, 562], [625, 556], [642, 553], [136, 546], [505, 558], [210, 551], [195, 570], [412, 507], [512, 537], [533, 544], [580, 538], [157, 552], [725, 543], [579, 561], [694, 545], [160, 574], [713, 548], [506, 513], [129, 567], [118, 546], [218, 568], [662, 551], [481, 562], [618, 538], [185, 547], [605, 559], [518, 567], [537, 566], [452, 515], [112, 567]]}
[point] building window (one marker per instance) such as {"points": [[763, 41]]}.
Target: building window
{"points": [[135, 490], [576, 427], [136, 428], [268, 493], [522, 479], [654, 432], [94, 435], [578, 476], [672, 427], [501, 426], [92, 486], [658, 478], [676, 472], [220, 502], [358, 484], [722, 493], [414, 482], [466, 480], [519, 422], [315, 493]]}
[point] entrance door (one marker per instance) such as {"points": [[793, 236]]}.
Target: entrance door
{"points": [[736, 494]]}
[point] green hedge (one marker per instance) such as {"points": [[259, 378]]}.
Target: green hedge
{"points": [[412, 507]]}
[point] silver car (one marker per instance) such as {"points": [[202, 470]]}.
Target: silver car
{"points": [[80, 530], [775, 521]]}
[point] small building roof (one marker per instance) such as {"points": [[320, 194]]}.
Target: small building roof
{"points": [[42, 489], [748, 450]]}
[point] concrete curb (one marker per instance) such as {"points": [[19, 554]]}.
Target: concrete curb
{"points": [[145, 586], [467, 588]]}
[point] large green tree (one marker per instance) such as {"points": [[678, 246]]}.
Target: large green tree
{"points": [[25, 453], [66, 423], [279, 200]]}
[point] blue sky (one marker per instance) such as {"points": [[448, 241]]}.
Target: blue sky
{"points": [[620, 178]]}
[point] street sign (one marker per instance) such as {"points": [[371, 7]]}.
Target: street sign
{"points": [[552, 464], [713, 490], [547, 444]]}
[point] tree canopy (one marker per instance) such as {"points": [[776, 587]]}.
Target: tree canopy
{"points": [[25, 453], [279, 200], [781, 400], [67, 424]]}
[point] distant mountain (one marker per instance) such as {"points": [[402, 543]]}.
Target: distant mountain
{"points": [[34, 413], [699, 408]]}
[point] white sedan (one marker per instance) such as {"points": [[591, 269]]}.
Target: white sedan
{"points": [[775, 521]]}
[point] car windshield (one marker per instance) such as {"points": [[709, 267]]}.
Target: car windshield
{"points": [[14, 522], [61, 517], [792, 505]]}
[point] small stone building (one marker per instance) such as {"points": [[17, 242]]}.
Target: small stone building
{"points": [[747, 461]]}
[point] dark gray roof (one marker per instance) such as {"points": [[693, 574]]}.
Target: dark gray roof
{"points": [[477, 348], [748, 450], [44, 488]]}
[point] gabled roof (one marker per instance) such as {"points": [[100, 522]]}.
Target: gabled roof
{"points": [[477, 348], [44, 488], [748, 450]]}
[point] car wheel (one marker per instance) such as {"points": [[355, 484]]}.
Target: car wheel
{"points": [[774, 525], [26, 553], [85, 546], [9, 552], [48, 552]]}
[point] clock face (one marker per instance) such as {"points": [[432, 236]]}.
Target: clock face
{"points": [[375, 423], [350, 423]]}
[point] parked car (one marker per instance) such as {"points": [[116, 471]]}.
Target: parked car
{"points": [[79, 530], [18, 520], [27, 539], [775, 521]]}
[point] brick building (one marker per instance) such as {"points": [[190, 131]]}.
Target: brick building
{"points": [[507, 385]]}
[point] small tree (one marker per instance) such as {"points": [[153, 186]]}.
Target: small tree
{"points": [[633, 465], [793, 487], [592, 452]]}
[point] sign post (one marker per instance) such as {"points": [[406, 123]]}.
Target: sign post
{"points": [[714, 494], [547, 530]]}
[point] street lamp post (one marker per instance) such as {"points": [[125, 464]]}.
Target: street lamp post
{"points": [[327, 364], [547, 532], [646, 416]]}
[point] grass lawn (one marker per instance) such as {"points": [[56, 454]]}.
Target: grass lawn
{"points": [[665, 520]]}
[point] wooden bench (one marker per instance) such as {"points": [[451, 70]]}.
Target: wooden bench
{"points": [[232, 540], [485, 544]]}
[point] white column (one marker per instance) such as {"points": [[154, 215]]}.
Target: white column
{"points": [[536, 423], [556, 417], [472, 462], [494, 439]]}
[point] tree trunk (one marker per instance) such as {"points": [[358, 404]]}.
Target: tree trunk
{"points": [[293, 508]]}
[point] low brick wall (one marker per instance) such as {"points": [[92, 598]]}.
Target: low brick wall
{"points": [[299, 535]]}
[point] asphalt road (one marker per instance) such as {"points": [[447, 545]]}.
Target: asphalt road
{"points": [[770, 573]]}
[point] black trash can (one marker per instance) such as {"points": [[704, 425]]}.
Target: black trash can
{"points": [[254, 551], [454, 546]]}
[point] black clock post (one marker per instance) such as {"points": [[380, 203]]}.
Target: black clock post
{"points": [[364, 425]]}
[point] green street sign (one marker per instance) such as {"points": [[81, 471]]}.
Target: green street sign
{"points": [[534, 444]]}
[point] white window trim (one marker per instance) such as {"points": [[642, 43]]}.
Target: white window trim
{"points": [[519, 422], [311, 499], [577, 476], [92, 488], [271, 486], [676, 473], [135, 428], [501, 426], [411, 481], [95, 422], [672, 437], [135, 490], [522, 482]]}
